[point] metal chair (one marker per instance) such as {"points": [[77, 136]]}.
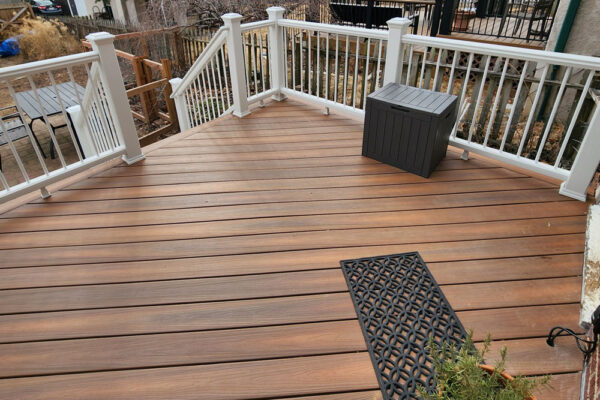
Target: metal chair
{"points": [[541, 12]]}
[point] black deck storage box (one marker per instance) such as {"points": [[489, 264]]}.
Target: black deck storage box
{"points": [[408, 127]]}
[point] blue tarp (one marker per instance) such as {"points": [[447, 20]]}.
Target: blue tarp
{"points": [[9, 47]]}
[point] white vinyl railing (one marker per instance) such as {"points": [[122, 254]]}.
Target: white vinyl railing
{"points": [[529, 108], [98, 125], [335, 64], [212, 88], [501, 92], [204, 93]]}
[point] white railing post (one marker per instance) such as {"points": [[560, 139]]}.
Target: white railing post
{"points": [[277, 53], [116, 96], [180, 106], [586, 162], [394, 58], [236, 64]]}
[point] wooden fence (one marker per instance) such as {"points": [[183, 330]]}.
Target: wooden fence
{"points": [[83, 26], [181, 45], [146, 87], [13, 14]]}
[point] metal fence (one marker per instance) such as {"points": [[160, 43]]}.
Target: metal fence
{"points": [[526, 20]]}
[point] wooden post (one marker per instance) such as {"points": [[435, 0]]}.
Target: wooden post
{"points": [[140, 80], [151, 95], [236, 64], [112, 82], [276, 52], [167, 73], [394, 58], [179, 50]]}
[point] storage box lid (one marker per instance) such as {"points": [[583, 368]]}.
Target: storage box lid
{"points": [[414, 99]]}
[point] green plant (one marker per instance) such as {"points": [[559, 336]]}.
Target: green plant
{"points": [[459, 375]]}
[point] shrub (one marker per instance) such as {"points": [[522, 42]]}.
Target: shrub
{"points": [[42, 39], [459, 377]]}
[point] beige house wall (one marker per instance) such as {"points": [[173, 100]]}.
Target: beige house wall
{"points": [[585, 33]]}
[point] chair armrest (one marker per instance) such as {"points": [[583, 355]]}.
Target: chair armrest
{"points": [[8, 107]]}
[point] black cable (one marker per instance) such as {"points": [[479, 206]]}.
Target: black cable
{"points": [[586, 346]]}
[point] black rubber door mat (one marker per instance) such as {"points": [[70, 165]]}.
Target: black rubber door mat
{"points": [[400, 306]]}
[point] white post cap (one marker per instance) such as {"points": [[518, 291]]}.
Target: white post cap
{"points": [[398, 22], [275, 12], [231, 17], [100, 37]]}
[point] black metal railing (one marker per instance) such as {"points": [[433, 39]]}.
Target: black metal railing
{"points": [[375, 14], [529, 20]]}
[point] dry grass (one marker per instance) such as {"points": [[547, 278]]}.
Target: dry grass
{"points": [[43, 39]]}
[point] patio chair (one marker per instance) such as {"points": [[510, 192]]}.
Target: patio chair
{"points": [[539, 15], [15, 128]]}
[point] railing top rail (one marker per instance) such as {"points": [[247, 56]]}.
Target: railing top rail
{"points": [[17, 71], [215, 43], [547, 57], [339, 29], [256, 25]]}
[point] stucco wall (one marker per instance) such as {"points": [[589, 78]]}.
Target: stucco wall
{"points": [[585, 33]]}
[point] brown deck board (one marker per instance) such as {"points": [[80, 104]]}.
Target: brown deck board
{"points": [[505, 323], [211, 269], [270, 224], [130, 352], [255, 240], [242, 380], [461, 296], [220, 176], [448, 272], [297, 208], [426, 193]]}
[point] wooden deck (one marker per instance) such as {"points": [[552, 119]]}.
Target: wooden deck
{"points": [[210, 270]]}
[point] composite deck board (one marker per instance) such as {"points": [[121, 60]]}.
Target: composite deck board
{"points": [[426, 193], [343, 164], [298, 237], [268, 165], [279, 184], [221, 213], [220, 176], [130, 352], [215, 274], [296, 223], [525, 267], [228, 381], [461, 296], [505, 323], [342, 135], [251, 148]]}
